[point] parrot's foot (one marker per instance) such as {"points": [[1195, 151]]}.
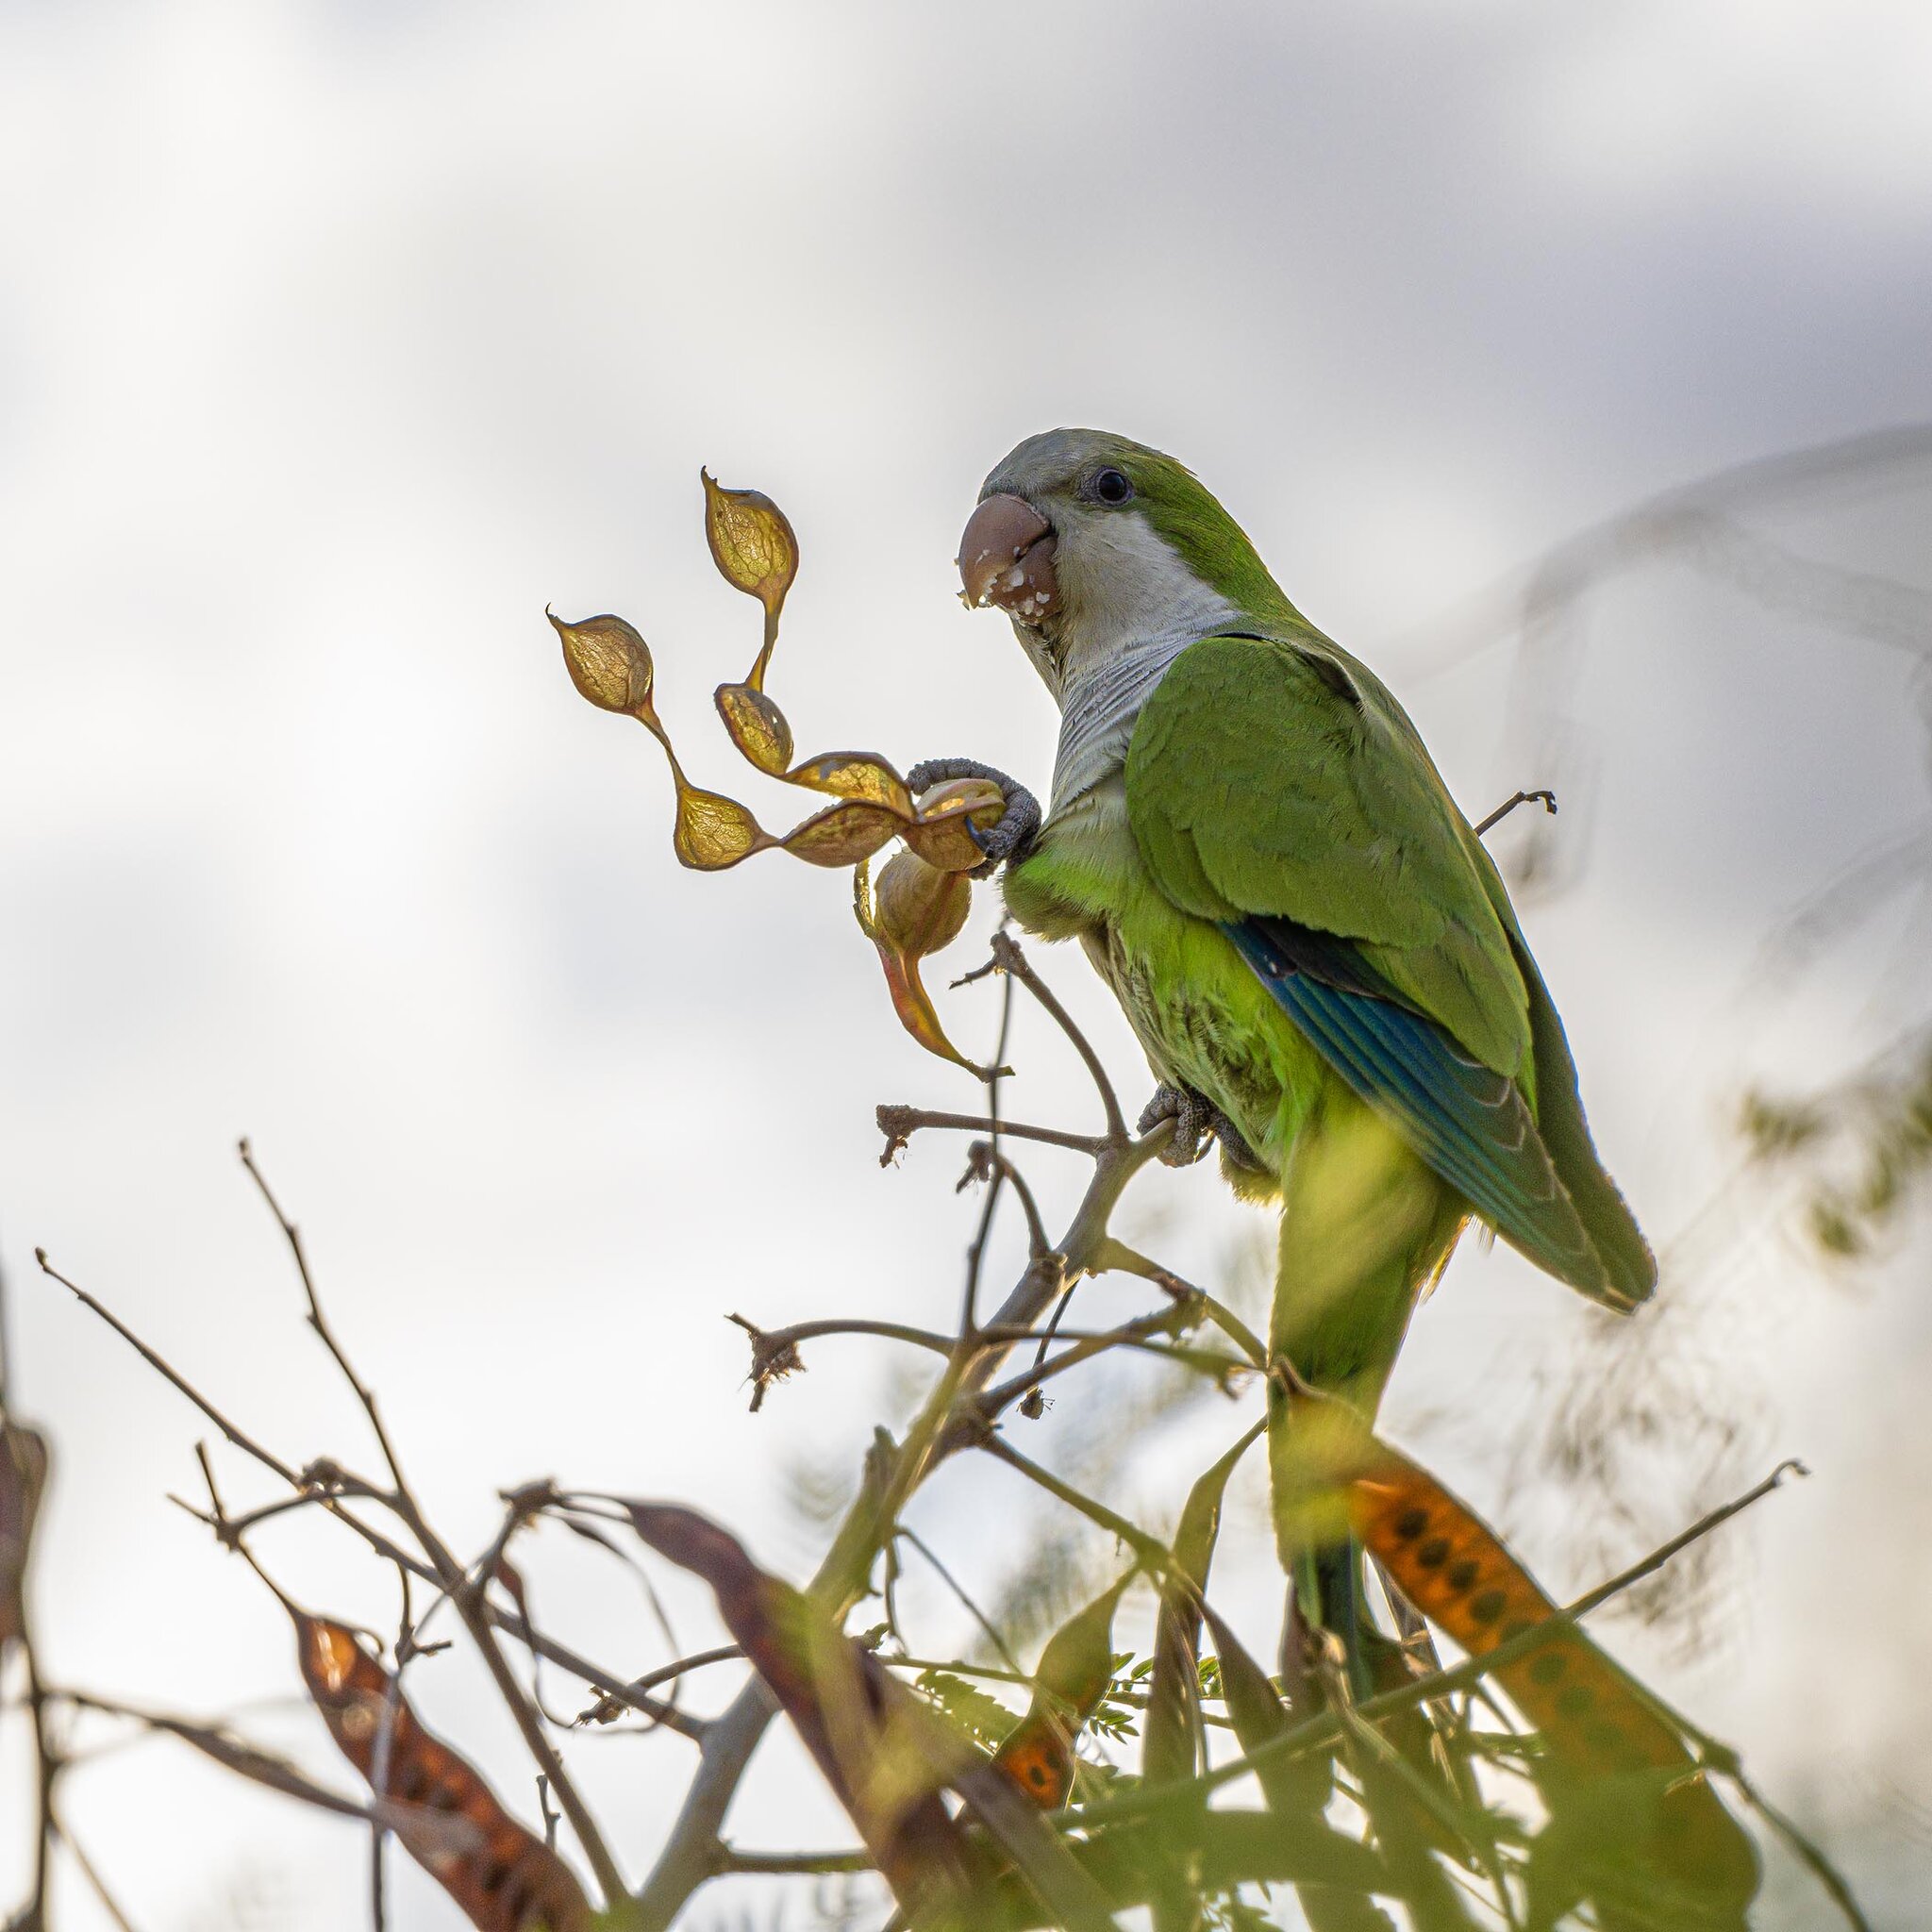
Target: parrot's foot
{"points": [[1197, 1121], [1019, 825]]}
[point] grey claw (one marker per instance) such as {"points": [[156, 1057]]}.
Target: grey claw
{"points": [[1189, 1112], [1019, 825], [1197, 1121]]}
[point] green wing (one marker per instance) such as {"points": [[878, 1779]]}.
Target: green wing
{"points": [[1277, 788]]}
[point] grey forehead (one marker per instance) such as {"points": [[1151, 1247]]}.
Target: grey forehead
{"points": [[1046, 461]]}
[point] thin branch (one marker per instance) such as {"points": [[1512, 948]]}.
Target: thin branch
{"points": [[511, 1623], [985, 1162], [607, 1706], [48, 1764], [691, 1853], [959, 1589], [1319, 1732], [95, 1882], [379, 1762], [24, 1450], [1011, 960], [976, 1254], [899, 1123], [792, 1864], [1547, 799], [997, 1401], [858, 1324], [414, 1821], [319, 1321], [1115, 1257], [171, 1374], [1702, 1527], [1807, 1853], [1152, 1552]]}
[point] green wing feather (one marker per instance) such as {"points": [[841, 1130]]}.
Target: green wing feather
{"points": [[1273, 783]]}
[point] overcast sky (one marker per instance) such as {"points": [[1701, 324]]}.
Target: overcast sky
{"points": [[337, 341]]}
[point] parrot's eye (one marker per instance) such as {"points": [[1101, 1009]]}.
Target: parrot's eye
{"points": [[1111, 486]]}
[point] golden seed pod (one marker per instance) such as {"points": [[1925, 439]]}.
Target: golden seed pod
{"points": [[608, 662], [916, 908], [945, 811]]}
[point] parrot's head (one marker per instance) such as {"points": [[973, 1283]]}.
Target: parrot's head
{"points": [[1094, 545]]}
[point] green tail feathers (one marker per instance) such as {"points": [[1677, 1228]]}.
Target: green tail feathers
{"points": [[1365, 1227]]}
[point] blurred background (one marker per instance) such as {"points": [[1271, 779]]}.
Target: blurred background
{"points": [[338, 340]]}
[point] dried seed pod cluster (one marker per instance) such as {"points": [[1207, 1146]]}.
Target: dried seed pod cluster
{"points": [[922, 897]]}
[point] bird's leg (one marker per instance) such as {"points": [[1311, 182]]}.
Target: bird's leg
{"points": [[1009, 841], [1197, 1121]]}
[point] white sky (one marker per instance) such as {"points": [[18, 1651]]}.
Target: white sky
{"points": [[337, 341]]}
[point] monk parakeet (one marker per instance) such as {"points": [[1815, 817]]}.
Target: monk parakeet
{"points": [[1251, 843]]}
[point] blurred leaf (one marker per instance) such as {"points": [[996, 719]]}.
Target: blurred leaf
{"points": [[1074, 1674], [1233, 1847], [1294, 1786], [885, 1753], [981, 1716], [1595, 1723], [508, 1880], [1173, 1746], [23, 1480], [1596, 1847], [1173, 1749]]}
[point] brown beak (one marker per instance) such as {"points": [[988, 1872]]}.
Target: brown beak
{"points": [[1006, 559]]}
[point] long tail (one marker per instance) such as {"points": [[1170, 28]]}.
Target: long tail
{"points": [[1365, 1227]]}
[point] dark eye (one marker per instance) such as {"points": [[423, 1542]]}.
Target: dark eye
{"points": [[1111, 486]]}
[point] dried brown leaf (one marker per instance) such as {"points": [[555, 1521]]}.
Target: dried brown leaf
{"points": [[23, 1478], [506, 1879]]}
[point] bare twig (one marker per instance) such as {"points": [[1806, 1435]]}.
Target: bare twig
{"points": [[87, 1869], [1011, 960], [976, 1254], [1116, 1257], [379, 1760], [319, 1321], [959, 1589], [1152, 1552], [1547, 799], [479, 1617], [27, 1454], [985, 1162], [899, 1123], [611, 1704], [169, 1373], [1702, 1527], [451, 1576], [691, 1851], [1807, 1852], [792, 1864], [443, 1831]]}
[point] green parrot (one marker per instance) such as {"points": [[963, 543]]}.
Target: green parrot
{"points": [[1252, 844]]}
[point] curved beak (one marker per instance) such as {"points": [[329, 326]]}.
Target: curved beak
{"points": [[1006, 559]]}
